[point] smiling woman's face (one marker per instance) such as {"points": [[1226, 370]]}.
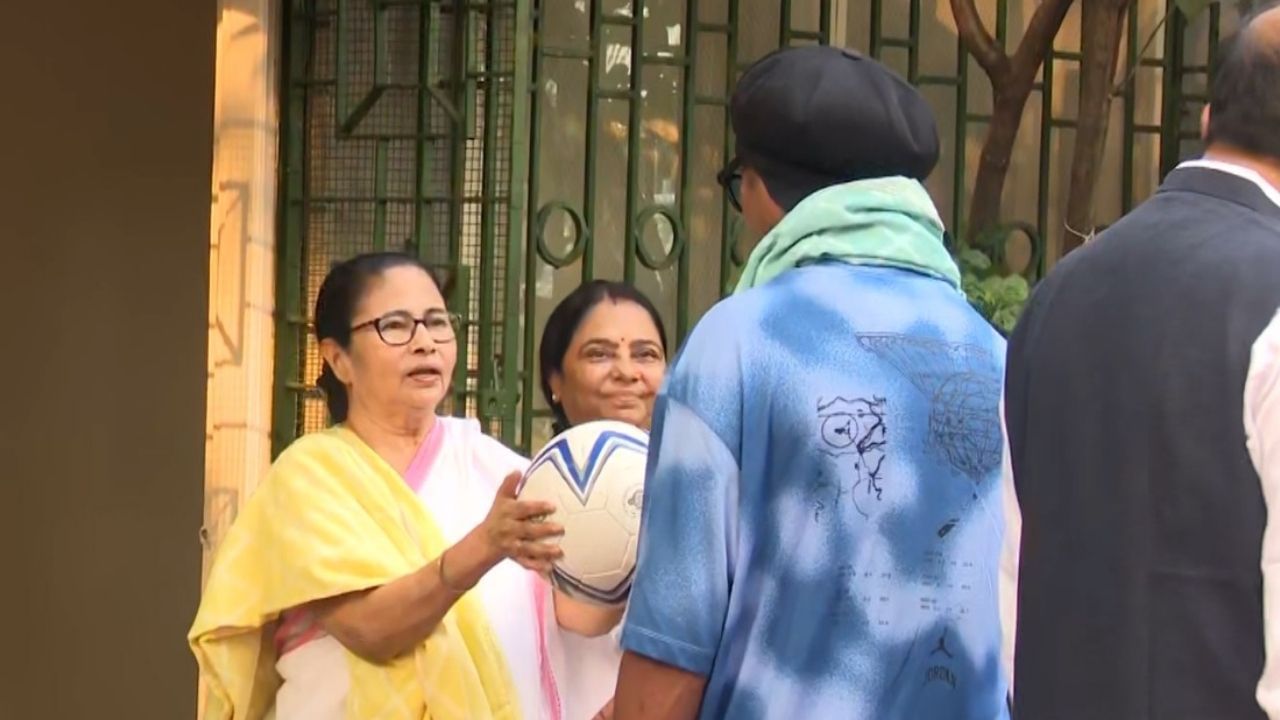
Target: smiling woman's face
{"points": [[386, 381], [613, 367]]}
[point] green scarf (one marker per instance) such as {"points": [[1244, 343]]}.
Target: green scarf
{"points": [[890, 222]]}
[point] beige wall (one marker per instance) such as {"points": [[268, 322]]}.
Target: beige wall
{"points": [[104, 219], [241, 259]]}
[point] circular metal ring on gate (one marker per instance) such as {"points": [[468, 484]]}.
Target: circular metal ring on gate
{"points": [[677, 237], [1035, 256], [996, 244], [581, 235]]}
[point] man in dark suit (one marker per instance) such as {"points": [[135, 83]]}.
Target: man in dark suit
{"points": [[1142, 406]]}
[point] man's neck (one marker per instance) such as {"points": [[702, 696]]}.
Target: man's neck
{"points": [[1270, 171]]}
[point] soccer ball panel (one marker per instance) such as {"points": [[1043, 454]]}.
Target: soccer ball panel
{"points": [[594, 475]]}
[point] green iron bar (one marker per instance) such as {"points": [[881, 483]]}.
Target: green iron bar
{"points": [[1171, 110], [461, 297], [465, 74], [960, 81], [1002, 22], [564, 53], [519, 198], [961, 138], [286, 402], [333, 83], [688, 119], [1215, 30], [533, 17], [913, 52], [784, 23], [596, 21], [571, 54], [728, 216], [1046, 152], [606, 94], [491, 403], [1130, 112], [635, 112], [653, 58], [461, 61], [428, 55], [380, 192], [349, 116], [408, 136], [463, 49], [877, 38]]}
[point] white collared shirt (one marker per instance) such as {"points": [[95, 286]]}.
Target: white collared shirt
{"points": [[1262, 432]]}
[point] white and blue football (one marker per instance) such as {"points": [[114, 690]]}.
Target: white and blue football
{"points": [[594, 475]]}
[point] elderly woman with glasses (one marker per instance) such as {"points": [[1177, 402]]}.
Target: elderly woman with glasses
{"points": [[384, 567]]}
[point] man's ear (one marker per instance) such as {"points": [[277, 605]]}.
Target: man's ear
{"points": [[1204, 122]]}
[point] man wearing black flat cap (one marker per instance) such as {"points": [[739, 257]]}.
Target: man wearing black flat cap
{"points": [[822, 525]]}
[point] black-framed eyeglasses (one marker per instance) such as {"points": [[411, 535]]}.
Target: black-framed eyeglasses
{"points": [[397, 327], [730, 178]]}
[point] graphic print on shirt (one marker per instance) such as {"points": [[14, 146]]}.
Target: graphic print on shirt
{"points": [[855, 429], [939, 670], [962, 383], [817, 533]]}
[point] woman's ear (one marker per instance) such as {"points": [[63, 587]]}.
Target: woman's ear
{"points": [[337, 358], [556, 381]]}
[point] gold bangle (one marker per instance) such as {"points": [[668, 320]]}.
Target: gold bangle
{"points": [[445, 583]]}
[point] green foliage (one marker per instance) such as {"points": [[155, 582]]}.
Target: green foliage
{"points": [[998, 295]]}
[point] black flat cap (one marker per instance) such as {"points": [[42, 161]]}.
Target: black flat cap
{"points": [[811, 117]]}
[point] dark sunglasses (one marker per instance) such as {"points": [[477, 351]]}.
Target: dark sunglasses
{"points": [[730, 178]]}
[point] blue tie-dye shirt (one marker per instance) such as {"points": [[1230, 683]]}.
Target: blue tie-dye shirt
{"points": [[822, 520]]}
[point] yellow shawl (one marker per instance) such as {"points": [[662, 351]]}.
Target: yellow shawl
{"points": [[332, 517]]}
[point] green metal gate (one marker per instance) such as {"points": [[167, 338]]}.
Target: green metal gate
{"points": [[527, 145], [523, 146], [405, 128], [628, 131]]}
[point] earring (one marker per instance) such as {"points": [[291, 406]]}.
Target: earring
{"points": [[555, 398]]}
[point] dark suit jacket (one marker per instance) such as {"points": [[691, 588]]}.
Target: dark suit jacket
{"points": [[1140, 590]]}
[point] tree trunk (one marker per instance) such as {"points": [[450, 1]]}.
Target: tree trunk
{"points": [[1102, 25], [993, 166], [1011, 79]]}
